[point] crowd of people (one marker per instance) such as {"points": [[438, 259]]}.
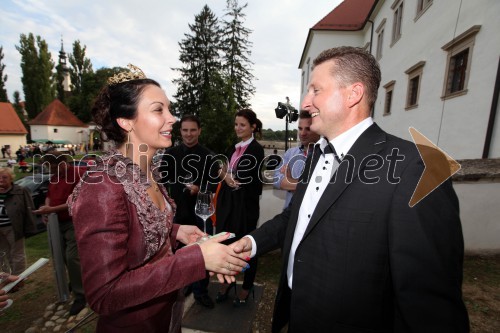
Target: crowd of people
{"points": [[356, 256]]}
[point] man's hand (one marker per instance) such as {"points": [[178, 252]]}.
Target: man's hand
{"points": [[43, 210], [221, 259], [193, 189], [243, 246], [188, 234]]}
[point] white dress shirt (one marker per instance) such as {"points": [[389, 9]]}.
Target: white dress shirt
{"points": [[317, 185]]}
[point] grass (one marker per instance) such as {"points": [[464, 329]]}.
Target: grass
{"points": [[481, 291], [37, 247]]}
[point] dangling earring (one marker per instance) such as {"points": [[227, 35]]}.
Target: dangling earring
{"points": [[128, 144]]}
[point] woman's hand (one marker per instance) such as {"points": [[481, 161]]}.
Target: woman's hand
{"points": [[221, 259], [188, 234], [230, 181]]}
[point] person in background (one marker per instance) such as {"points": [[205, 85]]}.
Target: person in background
{"points": [[187, 168], [3, 151], [63, 181], [124, 216], [287, 176], [357, 257], [23, 165], [16, 219], [238, 205]]}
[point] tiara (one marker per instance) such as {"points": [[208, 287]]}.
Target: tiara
{"points": [[134, 73]]}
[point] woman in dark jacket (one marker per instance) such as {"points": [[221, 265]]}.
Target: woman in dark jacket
{"points": [[16, 219], [238, 199]]}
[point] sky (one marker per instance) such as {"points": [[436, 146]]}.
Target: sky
{"points": [[146, 33]]}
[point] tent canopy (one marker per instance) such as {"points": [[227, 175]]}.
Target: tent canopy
{"points": [[63, 142]]}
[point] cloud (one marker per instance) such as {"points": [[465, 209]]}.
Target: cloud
{"points": [[146, 33]]}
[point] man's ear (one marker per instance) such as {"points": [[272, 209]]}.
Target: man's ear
{"points": [[124, 123], [356, 93]]}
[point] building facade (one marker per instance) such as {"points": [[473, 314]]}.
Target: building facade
{"points": [[440, 67], [12, 131], [57, 124]]}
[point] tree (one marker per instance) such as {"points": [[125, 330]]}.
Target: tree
{"points": [[202, 86], [236, 49], [37, 79], [17, 105], [3, 79], [83, 82], [80, 65]]}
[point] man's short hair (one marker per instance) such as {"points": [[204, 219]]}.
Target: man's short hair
{"points": [[190, 117], [304, 114], [353, 64]]}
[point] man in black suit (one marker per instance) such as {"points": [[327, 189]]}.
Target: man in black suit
{"points": [[185, 172], [356, 256]]}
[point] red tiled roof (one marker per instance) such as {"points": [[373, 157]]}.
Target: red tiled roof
{"points": [[57, 114], [349, 15], [10, 124]]}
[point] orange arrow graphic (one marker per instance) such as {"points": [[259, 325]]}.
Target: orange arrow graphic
{"points": [[439, 166]]}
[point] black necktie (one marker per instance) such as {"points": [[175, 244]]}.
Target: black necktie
{"points": [[329, 149]]}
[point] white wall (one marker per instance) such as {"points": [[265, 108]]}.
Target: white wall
{"points": [[14, 140], [70, 133], [322, 40], [480, 212], [457, 125], [461, 132]]}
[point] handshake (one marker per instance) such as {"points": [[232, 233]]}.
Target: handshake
{"points": [[224, 260]]}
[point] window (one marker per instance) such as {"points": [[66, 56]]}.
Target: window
{"points": [[422, 6], [414, 79], [459, 63], [389, 89], [398, 20], [55, 130], [380, 39]]}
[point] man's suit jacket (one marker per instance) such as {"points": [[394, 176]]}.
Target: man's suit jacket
{"points": [[367, 261]]}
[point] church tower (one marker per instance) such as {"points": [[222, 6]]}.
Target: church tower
{"points": [[65, 69]]}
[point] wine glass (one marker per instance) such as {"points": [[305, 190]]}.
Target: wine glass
{"points": [[204, 208], [188, 182], [5, 272]]}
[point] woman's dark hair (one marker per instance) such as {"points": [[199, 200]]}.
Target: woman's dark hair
{"points": [[118, 101], [249, 115]]}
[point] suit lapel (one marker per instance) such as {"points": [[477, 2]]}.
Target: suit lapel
{"points": [[298, 196], [372, 141]]}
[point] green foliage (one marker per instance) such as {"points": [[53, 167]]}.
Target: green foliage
{"points": [[3, 79], [80, 65], [37, 79], [85, 85], [215, 80], [202, 87], [269, 134], [236, 49]]}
